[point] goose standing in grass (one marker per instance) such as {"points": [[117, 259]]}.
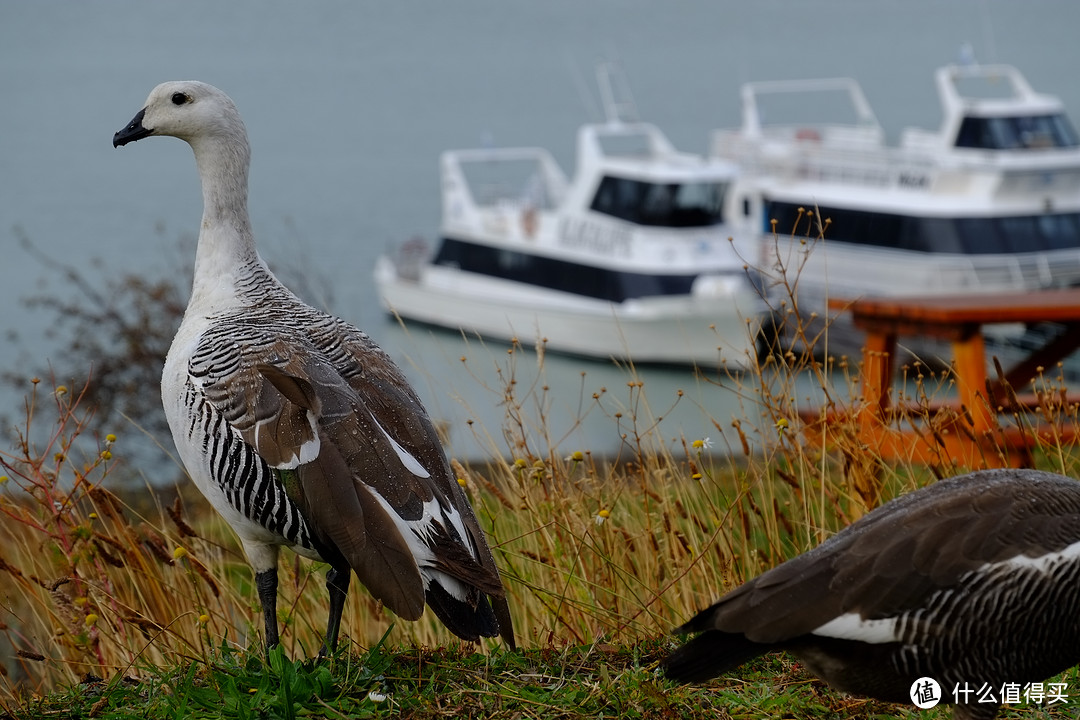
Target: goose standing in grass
{"points": [[297, 428], [973, 581]]}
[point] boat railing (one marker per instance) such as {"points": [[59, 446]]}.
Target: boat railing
{"points": [[1029, 271], [993, 81], [637, 141], [823, 153], [790, 154], [991, 87], [836, 95], [900, 272], [521, 178]]}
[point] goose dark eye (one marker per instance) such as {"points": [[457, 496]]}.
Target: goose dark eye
{"points": [[180, 99]]}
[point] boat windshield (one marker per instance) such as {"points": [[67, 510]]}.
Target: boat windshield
{"points": [[967, 236], [1017, 133], [688, 204]]}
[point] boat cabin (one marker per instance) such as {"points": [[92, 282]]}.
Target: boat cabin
{"points": [[629, 171], [992, 107]]}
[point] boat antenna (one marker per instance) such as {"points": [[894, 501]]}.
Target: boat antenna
{"points": [[619, 105], [582, 87]]}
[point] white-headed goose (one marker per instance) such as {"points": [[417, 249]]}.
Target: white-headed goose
{"points": [[971, 581], [296, 426]]}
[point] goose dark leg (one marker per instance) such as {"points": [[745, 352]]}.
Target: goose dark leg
{"points": [[266, 585], [337, 585]]}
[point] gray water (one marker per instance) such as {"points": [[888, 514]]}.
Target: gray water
{"points": [[348, 105]]}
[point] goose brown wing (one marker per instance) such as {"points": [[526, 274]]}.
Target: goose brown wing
{"points": [[895, 558], [387, 394], [355, 452], [305, 421], [360, 437]]}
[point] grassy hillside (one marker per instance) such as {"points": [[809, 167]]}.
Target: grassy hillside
{"points": [[143, 605]]}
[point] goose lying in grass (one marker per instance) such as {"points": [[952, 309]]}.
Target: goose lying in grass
{"points": [[973, 582], [297, 428]]}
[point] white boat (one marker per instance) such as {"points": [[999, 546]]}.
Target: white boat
{"points": [[988, 202], [632, 258]]}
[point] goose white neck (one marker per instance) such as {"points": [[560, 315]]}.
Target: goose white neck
{"points": [[223, 162], [226, 252]]}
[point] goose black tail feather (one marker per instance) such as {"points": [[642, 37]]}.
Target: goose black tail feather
{"points": [[709, 654], [506, 624], [467, 622]]}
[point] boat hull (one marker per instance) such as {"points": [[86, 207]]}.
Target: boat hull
{"points": [[709, 329]]}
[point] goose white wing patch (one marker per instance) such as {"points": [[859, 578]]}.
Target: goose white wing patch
{"points": [[418, 535], [853, 626], [411, 464], [309, 451]]}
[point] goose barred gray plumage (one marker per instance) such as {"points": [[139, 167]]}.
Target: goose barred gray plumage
{"points": [[974, 579], [297, 428]]}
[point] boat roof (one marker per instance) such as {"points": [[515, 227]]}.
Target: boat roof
{"points": [[1003, 92], [640, 151]]}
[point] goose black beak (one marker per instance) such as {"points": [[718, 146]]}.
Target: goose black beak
{"points": [[134, 131]]}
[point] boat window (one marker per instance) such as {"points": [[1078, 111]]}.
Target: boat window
{"points": [[690, 204], [970, 236], [973, 233], [554, 274], [1017, 133], [1060, 230]]}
